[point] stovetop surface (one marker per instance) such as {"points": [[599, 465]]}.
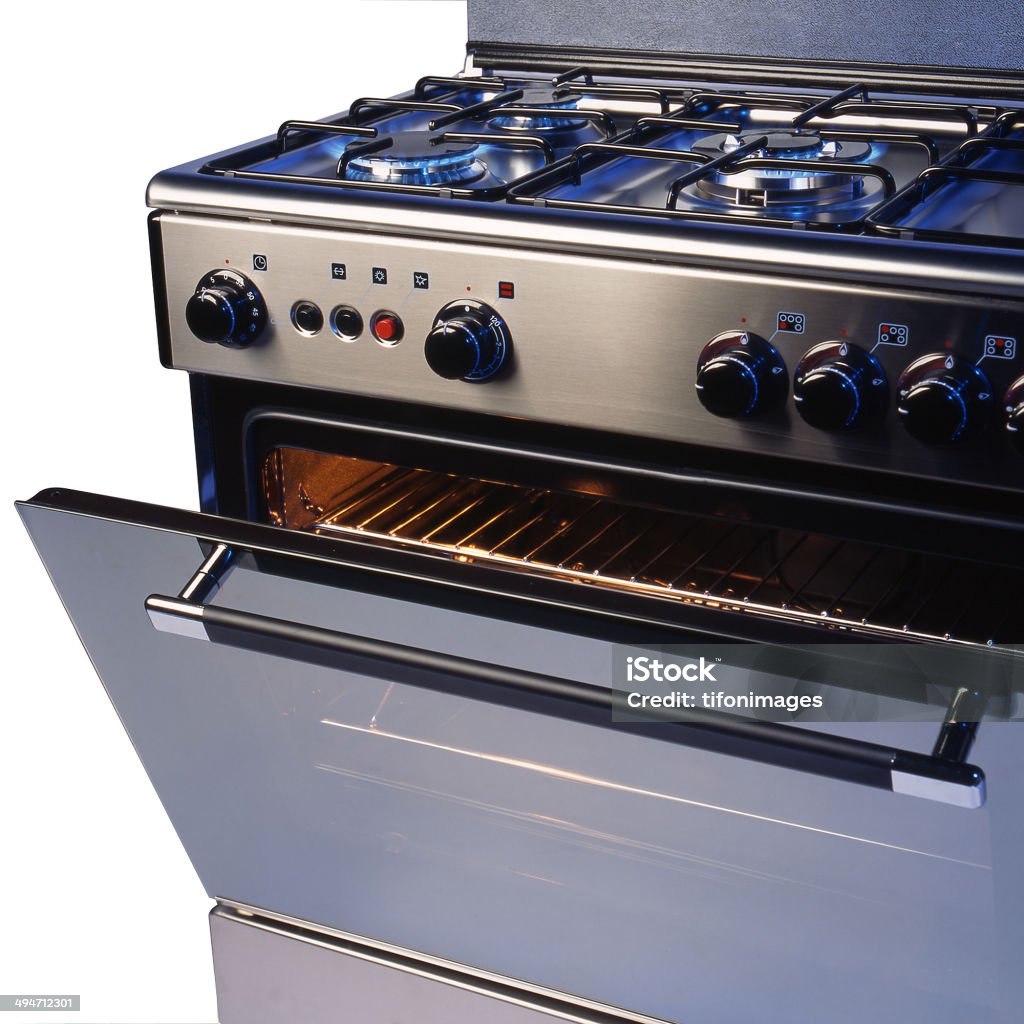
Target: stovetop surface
{"points": [[854, 161]]}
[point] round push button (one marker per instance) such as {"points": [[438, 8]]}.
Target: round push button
{"points": [[307, 317], [387, 328], [346, 323]]}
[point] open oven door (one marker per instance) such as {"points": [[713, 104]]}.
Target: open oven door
{"points": [[358, 740]]}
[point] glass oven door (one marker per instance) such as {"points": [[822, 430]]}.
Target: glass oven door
{"points": [[394, 745]]}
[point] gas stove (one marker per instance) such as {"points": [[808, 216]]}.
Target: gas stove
{"points": [[595, 347], [827, 275]]}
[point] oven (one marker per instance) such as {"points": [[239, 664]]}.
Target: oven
{"points": [[372, 683], [602, 351]]}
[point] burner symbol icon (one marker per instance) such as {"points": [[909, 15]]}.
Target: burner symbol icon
{"points": [[792, 323], [893, 334], [1000, 347]]}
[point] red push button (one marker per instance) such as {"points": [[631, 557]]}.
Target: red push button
{"points": [[387, 328]]}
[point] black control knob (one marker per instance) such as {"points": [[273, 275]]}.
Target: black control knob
{"points": [[944, 399], [839, 386], [227, 309], [740, 374], [1013, 403], [469, 341]]}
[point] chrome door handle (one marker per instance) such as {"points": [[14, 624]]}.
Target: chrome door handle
{"points": [[946, 779]]}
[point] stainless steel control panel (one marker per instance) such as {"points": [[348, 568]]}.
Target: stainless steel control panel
{"points": [[592, 342]]}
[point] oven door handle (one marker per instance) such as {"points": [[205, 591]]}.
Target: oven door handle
{"points": [[943, 779]]}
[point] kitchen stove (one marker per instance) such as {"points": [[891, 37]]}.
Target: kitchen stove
{"points": [[589, 346], [629, 204]]}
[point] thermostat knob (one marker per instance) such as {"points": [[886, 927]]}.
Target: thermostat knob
{"points": [[469, 341], [740, 374], [226, 309]]}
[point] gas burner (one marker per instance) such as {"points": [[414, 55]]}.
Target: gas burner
{"points": [[550, 99], [760, 187], [418, 158]]}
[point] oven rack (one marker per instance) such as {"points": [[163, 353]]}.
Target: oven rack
{"points": [[714, 562]]}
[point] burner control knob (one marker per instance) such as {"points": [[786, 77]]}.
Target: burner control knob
{"points": [[226, 309], [944, 399], [1014, 405], [740, 374], [838, 386], [468, 341]]}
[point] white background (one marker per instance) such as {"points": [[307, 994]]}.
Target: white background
{"points": [[97, 896]]}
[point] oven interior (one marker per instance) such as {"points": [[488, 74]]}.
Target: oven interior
{"points": [[590, 537]]}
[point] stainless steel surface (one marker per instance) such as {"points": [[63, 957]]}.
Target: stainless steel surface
{"points": [[455, 827], [178, 617], [275, 970], [606, 344], [888, 262], [208, 577], [934, 789]]}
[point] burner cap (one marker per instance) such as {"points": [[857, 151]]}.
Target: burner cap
{"points": [[418, 158], [539, 96], [770, 186]]}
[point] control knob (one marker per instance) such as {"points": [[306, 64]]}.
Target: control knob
{"points": [[740, 374], [839, 386], [1013, 403], [226, 309], [469, 341], [944, 399]]}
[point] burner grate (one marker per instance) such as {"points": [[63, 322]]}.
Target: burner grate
{"points": [[556, 142], [961, 168], [764, 185]]}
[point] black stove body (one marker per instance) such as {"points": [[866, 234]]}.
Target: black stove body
{"points": [[598, 343]]}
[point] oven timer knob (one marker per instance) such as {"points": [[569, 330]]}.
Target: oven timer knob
{"points": [[469, 341], [226, 309], [840, 386], [740, 374], [943, 399], [1013, 403]]}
